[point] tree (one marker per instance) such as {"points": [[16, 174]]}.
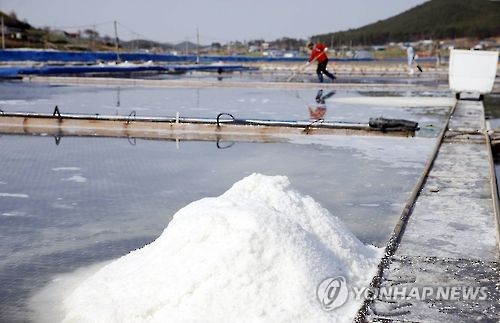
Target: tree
{"points": [[91, 33]]}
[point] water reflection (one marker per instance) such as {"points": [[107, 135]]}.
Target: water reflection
{"points": [[318, 112], [219, 142], [91, 199], [243, 103], [83, 200]]}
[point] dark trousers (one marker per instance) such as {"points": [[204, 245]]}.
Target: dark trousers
{"points": [[321, 69]]}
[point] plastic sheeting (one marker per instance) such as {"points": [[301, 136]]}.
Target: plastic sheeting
{"points": [[13, 72], [64, 56]]}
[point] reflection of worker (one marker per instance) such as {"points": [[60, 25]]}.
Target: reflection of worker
{"points": [[219, 74], [320, 98], [318, 53], [320, 110]]}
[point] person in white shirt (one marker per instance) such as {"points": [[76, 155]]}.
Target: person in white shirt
{"points": [[410, 54]]}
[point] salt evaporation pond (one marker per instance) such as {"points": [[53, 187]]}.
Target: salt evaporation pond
{"points": [[253, 254], [253, 103], [83, 201]]}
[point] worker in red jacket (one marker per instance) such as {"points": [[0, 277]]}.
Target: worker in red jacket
{"points": [[318, 53]]}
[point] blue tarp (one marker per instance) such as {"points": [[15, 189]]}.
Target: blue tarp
{"points": [[60, 56], [52, 57], [9, 72], [13, 72]]}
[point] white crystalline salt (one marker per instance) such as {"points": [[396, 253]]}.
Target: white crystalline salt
{"points": [[257, 253]]}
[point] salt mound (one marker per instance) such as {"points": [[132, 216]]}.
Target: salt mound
{"points": [[257, 253]]}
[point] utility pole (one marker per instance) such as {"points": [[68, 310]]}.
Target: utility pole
{"points": [[3, 35], [94, 34], [117, 46], [197, 46]]}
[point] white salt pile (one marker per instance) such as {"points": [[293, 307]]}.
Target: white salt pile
{"points": [[257, 253]]}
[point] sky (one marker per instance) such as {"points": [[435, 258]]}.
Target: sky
{"points": [[221, 21]]}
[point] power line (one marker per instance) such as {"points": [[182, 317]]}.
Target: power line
{"points": [[133, 32], [83, 26]]}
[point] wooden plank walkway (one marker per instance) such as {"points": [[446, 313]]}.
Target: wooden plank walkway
{"points": [[450, 240]]}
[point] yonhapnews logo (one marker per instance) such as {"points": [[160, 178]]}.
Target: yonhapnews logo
{"points": [[334, 292]]}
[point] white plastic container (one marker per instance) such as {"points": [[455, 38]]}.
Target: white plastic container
{"points": [[472, 71]]}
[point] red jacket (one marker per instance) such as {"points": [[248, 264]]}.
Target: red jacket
{"points": [[318, 52]]}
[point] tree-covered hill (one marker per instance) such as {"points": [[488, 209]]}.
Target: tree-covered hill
{"points": [[435, 19]]}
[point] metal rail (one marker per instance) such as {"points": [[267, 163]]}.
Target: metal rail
{"points": [[398, 231], [494, 188], [167, 127]]}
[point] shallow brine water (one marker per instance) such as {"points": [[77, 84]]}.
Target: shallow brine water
{"points": [[78, 201], [243, 103]]}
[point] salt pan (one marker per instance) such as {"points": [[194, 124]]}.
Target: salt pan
{"points": [[257, 253]]}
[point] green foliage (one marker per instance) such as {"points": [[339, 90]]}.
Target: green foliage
{"points": [[56, 39], [435, 19], [11, 20], [286, 43]]}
